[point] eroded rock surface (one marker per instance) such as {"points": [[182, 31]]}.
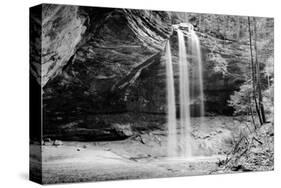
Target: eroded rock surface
{"points": [[110, 61], [115, 48]]}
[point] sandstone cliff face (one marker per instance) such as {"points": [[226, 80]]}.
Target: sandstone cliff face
{"points": [[96, 72], [56, 32], [62, 30], [105, 61]]}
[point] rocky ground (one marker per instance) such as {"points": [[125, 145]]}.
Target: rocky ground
{"points": [[143, 155]]}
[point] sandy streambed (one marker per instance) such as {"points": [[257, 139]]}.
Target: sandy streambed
{"points": [[73, 163], [141, 156]]}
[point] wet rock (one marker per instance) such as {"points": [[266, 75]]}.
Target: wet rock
{"points": [[58, 143], [48, 143], [123, 129], [47, 140]]}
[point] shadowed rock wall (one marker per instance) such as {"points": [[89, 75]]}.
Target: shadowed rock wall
{"points": [[108, 61]]}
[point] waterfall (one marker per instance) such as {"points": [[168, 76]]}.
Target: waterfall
{"points": [[197, 70], [180, 142], [172, 122], [184, 100]]}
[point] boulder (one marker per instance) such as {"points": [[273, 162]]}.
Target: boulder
{"points": [[58, 143], [123, 129]]}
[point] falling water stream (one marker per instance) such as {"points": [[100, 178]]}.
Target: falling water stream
{"points": [[179, 135], [184, 100], [196, 53], [172, 121]]}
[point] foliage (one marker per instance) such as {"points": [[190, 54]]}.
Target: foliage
{"points": [[220, 26], [268, 69], [268, 97], [262, 61], [220, 64], [241, 99]]}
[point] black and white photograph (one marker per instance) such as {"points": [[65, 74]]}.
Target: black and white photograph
{"points": [[118, 93]]}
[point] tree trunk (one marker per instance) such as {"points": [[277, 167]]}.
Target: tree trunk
{"points": [[253, 73], [258, 75]]}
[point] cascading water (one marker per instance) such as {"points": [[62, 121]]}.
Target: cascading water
{"points": [[180, 142], [184, 100], [197, 70], [172, 121]]}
